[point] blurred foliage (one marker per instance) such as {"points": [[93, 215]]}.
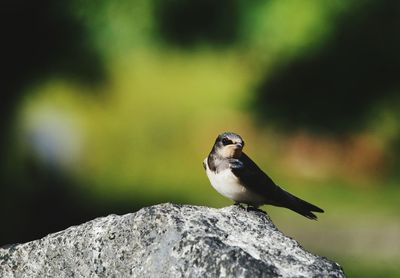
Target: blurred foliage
{"points": [[41, 39], [168, 77], [220, 27], [334, 88]]}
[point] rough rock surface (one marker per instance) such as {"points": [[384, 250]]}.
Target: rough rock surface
{"points": [[168, 241]]}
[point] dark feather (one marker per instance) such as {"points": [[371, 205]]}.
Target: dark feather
{"points": [[253, 178]]}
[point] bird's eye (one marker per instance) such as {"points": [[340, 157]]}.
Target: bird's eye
{"points": [[226, 141]]}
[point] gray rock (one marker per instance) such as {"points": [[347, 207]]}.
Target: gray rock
{"points": [[168, 241]]}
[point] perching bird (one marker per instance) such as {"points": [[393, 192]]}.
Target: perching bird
{"points": [[234, 175]]}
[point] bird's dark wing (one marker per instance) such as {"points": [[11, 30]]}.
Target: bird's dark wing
{"points": [[252, 176], [257, 181]]}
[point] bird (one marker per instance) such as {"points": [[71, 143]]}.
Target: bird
{"points": [[234, 175]]}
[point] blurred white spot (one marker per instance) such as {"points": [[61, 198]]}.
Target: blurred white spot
{"points": [[54, 138]]}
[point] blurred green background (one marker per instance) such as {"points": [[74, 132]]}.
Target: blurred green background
{"points": [[109, 106]]}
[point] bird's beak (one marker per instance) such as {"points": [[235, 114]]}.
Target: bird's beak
{"points": [[239, 145]]}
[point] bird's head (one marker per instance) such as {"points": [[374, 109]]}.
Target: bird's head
{"points": [[228, 145]]}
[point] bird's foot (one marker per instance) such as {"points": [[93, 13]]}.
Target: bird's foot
{"points": [[239, 205], [252, 208]]}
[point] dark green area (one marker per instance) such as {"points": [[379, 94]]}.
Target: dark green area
{"points": [[335, 88]]}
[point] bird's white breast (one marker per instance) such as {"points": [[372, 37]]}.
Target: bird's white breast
{"points": [[228, 185]]}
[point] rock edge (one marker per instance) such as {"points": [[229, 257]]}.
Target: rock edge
{"points": [[168, 240]]}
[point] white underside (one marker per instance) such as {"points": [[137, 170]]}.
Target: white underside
{"points": [[228, 185]]}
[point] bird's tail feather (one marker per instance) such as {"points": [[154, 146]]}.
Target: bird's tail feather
{"points": [[300, 206], [303, 207]]}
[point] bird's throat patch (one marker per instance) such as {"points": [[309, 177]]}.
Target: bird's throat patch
{"points": [[230, 151]]}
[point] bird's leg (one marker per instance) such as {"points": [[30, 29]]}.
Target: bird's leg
{"points": [[249, 208], [239, 205]]}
